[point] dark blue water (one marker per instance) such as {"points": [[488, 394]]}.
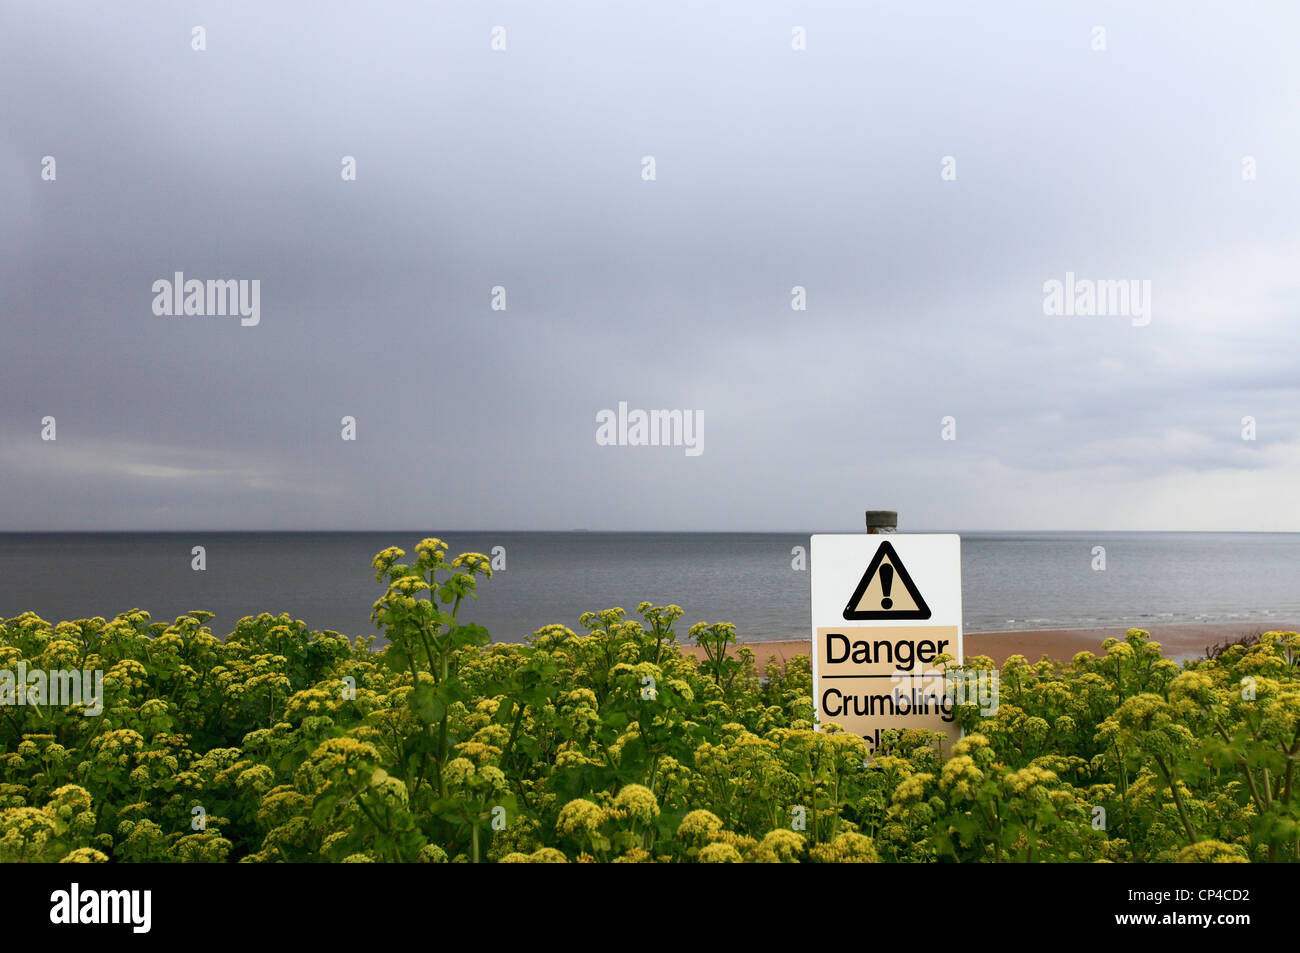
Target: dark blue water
{"points": [[1009, 580]]}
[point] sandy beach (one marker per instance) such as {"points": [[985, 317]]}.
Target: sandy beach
{"points": [[1178, 641]]}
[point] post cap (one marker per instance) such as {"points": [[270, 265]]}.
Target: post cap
{"points": [[882, 521]]}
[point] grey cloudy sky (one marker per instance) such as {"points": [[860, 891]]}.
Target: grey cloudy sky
{"points": [[775, 168]]}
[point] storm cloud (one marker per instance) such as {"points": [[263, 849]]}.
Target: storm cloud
{"points": [[775, 168]]}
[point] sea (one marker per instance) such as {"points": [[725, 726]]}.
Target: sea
{"points": [[1010, 581]]}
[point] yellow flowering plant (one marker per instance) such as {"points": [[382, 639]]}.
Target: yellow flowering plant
{"points": [[609, 743]]}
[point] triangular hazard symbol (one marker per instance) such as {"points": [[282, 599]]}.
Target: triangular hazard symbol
{"points": [[890, 594]]}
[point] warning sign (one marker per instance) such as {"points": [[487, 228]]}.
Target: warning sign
{"points": [[886, 591], [884, 609]]}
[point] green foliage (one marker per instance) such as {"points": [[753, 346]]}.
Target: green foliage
{"points": [[284, 744]]}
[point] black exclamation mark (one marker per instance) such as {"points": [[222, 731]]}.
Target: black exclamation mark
{"points": [[886, 583]]}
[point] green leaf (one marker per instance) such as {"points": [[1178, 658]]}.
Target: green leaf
{"points": [[428, 703]]}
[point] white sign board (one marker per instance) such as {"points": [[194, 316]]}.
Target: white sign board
{"points": [[884, 607]]}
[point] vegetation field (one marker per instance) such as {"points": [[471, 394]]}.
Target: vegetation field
{"points": [[278, 743]]}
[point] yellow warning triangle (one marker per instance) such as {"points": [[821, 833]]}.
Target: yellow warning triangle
{"points": [[886, 591]]}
